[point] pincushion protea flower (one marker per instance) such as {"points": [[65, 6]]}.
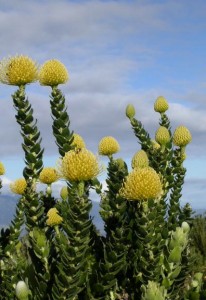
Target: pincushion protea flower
{"points": [[182, 136], [140, 160], [18, 186], [161, 105], [18, 70], [141, 184], [108, 146], [78, 141], [53, 217], [48, 175], [79, 165], [162, 135], [53, 73], [2, 169]]}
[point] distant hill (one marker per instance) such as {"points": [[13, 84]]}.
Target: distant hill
{"points": [[8, 204]]}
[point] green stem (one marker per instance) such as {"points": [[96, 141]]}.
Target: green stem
{"points": [[61, 122]]}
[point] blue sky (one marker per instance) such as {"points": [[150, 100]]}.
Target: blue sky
{"points": [[116, 52]]}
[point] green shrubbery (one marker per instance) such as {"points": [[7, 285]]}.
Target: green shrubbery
{"points": [[146, 251]]}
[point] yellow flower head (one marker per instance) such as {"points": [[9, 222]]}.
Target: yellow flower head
{"points": [[53, 217], [18, 70], [182, 136], [78, 141], [52, 73], [2, 169], [161, 105], [79, 165], [141, 184], [140, 160], [108, 146], [162, 135], [48, 175], [18, 186]]}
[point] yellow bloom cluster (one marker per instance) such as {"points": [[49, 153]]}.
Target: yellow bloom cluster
{"points": [[18, 186], [78, 141], [18, 70], [48, 175], [162, 135], [182, 136], [79, 165], [53, 73], [108, 146], [141, 184], [140, 160], [53, 217], [161, 105], [2, 169]]}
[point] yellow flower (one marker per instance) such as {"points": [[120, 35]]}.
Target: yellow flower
{"points": [[108, 146], [141, 184], [162, 135], [48, 175], [140, 160], [182, 136], [79, 165], [18, 70], [53, 217], [52, 73], [78, 141], [161, 105], [18, 186], [2, 169]]}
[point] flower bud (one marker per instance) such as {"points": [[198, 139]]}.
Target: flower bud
{"points": [[162, 135], [130, 111], [175, 255], [22, 291], [153, 291], [161, 105], [182, 136], [186, 227], [64, 193]]}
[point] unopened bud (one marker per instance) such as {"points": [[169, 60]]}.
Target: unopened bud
{"points": [[130, 111]]}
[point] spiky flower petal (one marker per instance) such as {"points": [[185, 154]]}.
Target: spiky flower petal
{"points": [[18, 70], [2, 169], [162, 135], [108, 146], [48, 175], [79, 165], [141, 184], [53, 217], [161, 105], [53, 73], [140, 160], [182, 136], [18, 186], [78, 141]]}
